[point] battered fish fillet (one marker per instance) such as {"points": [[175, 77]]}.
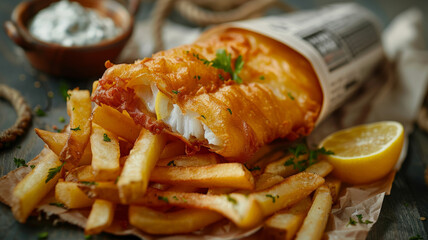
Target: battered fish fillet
{"points": [[280, 96]]}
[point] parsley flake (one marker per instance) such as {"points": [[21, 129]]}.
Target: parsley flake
{"points": [[32, 166], [58, 204], [289, 162], [351, 222], [254, 168], [175, 198], [223, 61], [87, 237], [39, 112], [175, 91], [53, 172], [165, 199], [61, 119], [19, 162], [230, 111], [171, 163], [291, 96], [360, 219], [262, 77], [106, 138], [89, 183], [63, 89], [203, 117], [271, 196], [42, 235], [76, 129], [221, 77], [231, 199]]}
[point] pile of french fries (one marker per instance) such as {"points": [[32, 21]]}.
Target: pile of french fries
{"points": [[103, 159]]}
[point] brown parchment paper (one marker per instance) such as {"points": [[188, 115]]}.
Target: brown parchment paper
{"points": [[394, 92]]}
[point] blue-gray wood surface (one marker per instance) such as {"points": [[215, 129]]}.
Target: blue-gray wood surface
{"points": [[401, 211]]}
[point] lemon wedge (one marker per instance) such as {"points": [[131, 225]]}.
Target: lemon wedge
{"points": [[162, 106], [365, 153]]}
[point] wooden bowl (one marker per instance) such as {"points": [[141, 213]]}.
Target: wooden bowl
{"points": [[76, 61]]}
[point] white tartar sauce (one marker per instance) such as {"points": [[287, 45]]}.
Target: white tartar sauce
{"points": [[70, 24]]}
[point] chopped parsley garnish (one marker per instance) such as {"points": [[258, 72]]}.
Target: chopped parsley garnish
{"points": [[273, 197], [221, 77], [19, 162], [417, 237], [92, 183], [198, 77], [42, 235], [171, 163], [76, 129], [106, 138], [223, 61], [351, 222], [300, 150], [39, 112], [203, 117], [175, 91], [254, 168], [231, 199], [230, 111], [87, 237], [63, 88], [72, 109], [289, 162], [291, 96], [61, 119], [32, 166], [53, 172], [175, 198], [183, 199], [262, 77], [58, 204], [360, 219], [117, 179], [165, 199]]}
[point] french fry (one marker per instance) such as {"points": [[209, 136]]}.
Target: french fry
{"points": [[142, 159], [116, 122], [82, 173], [322, 168], [189, 161], [101, 217], [217, 191], [334, 185], [57, 141], [288, 192], [182, 221], [316, 220], [284, 224], [71, 196], [33, 187], [79, 109], [173, 149], [241, 209], [101, 190], [267, 180], [105, 154], [234, 175], [279, 167]]}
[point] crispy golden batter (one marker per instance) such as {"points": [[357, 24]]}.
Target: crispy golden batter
{"points": [[280, 96]]}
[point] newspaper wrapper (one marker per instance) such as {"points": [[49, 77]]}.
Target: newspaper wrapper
{"points": [[397, 86]]}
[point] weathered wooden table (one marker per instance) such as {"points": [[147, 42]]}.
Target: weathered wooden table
{"points": [[401, 211]]}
